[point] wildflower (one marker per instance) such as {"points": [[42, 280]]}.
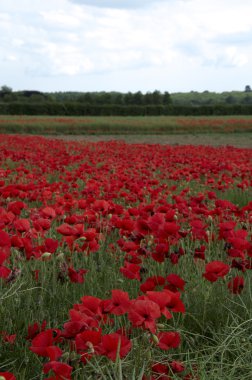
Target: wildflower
{"points": [[236, 285], [113, 344], [143, 313], [215, 269]]}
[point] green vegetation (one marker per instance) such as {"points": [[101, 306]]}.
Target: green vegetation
{"points": [[124, 104], [195, 98], [152, 125]]}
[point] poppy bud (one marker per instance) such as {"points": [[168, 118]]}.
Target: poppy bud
{"points": [[46, 256], [90, 346], [149, 354], [160, 326], [155, 339], [82, 238], [60, 256]]}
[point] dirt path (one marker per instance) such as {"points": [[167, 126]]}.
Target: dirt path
{"points": [[238, 140]]}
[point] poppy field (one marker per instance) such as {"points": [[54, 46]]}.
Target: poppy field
{"points": [[124, 261], [127, 125]]}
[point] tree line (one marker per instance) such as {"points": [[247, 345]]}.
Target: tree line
{"points": [[103, 103]]}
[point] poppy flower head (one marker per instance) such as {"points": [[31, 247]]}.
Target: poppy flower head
{"points": [[113, 344], [119, 303], [215, 270], [236, 285], [143, 313]]}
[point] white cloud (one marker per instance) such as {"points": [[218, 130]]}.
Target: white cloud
{"points": [[61, 18], [10, 58], [228, 58], [170, 39], [117, 3]]}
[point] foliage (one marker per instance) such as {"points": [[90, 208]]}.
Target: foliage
{"points": [[124, 104]]}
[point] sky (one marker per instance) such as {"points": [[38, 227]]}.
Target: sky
{"points": [[126, 45]]}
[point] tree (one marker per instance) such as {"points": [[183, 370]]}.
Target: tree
{"points": [[148, 98], [128, 98], [167, 98], [248, 88], [138, 98], [157, 97], [230, 99], [5, 90]]}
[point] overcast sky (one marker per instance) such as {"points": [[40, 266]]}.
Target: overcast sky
{"points": [[126, 45]]}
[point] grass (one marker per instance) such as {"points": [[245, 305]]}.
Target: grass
{"points": [[216, 329], [107, 125]]}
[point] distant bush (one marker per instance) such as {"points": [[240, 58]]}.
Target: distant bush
{"points": [[80, 109]]}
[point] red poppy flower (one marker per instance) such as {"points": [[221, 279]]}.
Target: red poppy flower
{"points": [[90, 306], [168, 340], [112, 343], [66, 230], [199, 253], [160, 369], [226, 229], [198, 228], [22, 225], [143, 313], [8, 338], [240, 265], [4, 271], [239, 242], [215, 269], [175, 282], [42, 344], [61, 370], [35, 329], [176, 366], [42, 225], [234, 252], [175, 304], [35, 274], [48, 212], [161, 252], [87, 344], [5, 242], [131, 271], [224, 204], [151, 283], [7, 375], [51, 245], [236, 285], [119, 304], [169, 230], [162, 299], [77, 275]]}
